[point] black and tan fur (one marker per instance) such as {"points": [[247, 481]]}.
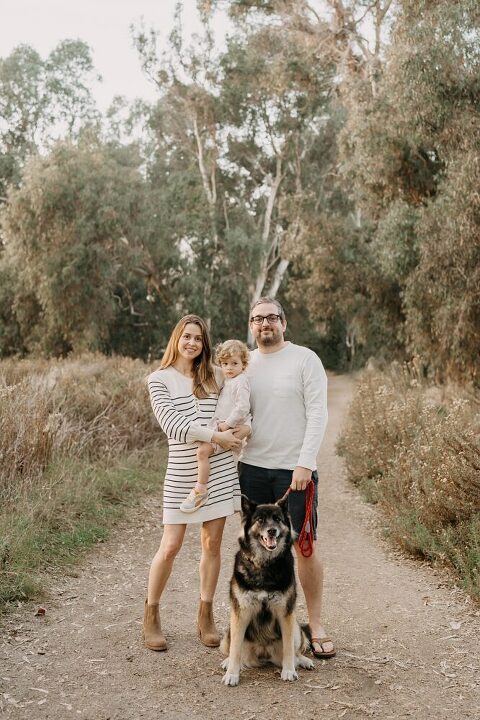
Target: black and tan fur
{"points": [[263, 626]]}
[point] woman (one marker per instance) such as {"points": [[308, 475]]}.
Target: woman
{"points": [[183, 393]]}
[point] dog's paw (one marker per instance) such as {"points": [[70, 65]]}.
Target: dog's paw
{"points": [[304, 662], [288, 674], [231, 679], [224, 664]]}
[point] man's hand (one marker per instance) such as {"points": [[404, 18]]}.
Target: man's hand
{"points": [[300, 478]]}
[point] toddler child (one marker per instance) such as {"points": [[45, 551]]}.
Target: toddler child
{"points": [[233, 408]]}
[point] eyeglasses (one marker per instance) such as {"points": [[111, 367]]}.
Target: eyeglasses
{"points": [[258, 319]]}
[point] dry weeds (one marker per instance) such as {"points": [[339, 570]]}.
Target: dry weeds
{"points": [[78, 439], [415, 449]]}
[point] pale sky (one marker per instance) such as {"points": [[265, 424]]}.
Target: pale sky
{"points": [[104, 25]]}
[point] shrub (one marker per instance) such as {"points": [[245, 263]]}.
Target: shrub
{"points": [[415, 450], [89, 407], [78, 442]]}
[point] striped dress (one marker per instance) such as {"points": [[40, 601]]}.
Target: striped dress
{"points": [[183, 418]]}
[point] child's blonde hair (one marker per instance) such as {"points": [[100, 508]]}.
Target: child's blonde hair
{"points": [[227, 349]]}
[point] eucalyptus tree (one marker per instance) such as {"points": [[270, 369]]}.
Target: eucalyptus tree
{"points": [[275, 101], [342, 45], [434, 81], [234, 130], [184, 166], [42, 100], [71, 244]]}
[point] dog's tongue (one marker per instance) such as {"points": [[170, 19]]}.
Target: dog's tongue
{"points": [[271, 542]]}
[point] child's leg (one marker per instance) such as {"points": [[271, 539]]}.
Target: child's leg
{"points": [[204, 452], [198, 495]]}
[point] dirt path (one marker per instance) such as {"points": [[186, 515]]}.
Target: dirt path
{"points": [[407, 646]]}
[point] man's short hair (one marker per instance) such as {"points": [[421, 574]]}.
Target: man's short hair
{"points": [[272, 301]]}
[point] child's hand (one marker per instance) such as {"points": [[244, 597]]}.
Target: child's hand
{"points": [[222, 426]]}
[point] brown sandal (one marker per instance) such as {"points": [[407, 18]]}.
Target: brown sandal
{"points": [[322, 654]]}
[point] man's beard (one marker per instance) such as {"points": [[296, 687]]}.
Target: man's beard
{"points": [[272, 338]]}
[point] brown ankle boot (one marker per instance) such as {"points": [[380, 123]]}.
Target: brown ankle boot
{"points": [[152, 629], [206, 625]]}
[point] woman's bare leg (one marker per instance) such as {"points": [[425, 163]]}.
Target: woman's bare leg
{"points": [[211, 537], [163, 560]]}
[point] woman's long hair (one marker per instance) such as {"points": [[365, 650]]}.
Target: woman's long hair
{"points": [[204, 381]]}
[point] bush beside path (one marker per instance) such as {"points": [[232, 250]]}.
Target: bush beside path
{"points": [[407, 643]]}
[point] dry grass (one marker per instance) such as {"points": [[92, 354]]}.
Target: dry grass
{"points": [[415, 449], [78, 440], [90, 407]]}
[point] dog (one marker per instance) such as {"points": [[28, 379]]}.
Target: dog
{"points": [[263, 626]]}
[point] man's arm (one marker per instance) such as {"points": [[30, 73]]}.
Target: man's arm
{"points": [[314, 381]]}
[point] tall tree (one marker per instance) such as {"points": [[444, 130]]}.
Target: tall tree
{"points": [[273, 99], [71, 236], [243, 122], [186, 122], [42, 100], [342, 63]]}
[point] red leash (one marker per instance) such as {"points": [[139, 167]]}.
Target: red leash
{"points": [[305, 539]]}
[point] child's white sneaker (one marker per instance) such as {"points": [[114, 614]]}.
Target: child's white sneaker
{"points": [[194, 500]]}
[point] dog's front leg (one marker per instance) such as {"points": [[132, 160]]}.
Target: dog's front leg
{"points": [[239, 620], [287, 625]]}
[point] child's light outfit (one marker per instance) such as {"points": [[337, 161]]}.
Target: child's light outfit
{"points": [[233, 406]]}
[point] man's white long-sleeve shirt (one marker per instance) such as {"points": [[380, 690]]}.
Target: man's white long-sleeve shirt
{"points": [[288, 399]]}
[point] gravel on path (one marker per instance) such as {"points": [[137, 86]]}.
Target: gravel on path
{"points": [[407, 642]]}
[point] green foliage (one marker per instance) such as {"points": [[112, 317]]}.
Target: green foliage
{"points": [[10, 334], [394, 244], [71, 233], [410, 150], [293, 161], [442, 297], [40, 100]]}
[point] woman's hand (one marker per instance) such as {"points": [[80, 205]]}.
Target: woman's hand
{"points": [[227, 440], [242, 431]]}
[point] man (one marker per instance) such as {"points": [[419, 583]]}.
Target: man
{"points": [[289, 410]]}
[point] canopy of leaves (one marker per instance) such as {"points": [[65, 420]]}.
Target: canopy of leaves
{"points": [[328, 153]]}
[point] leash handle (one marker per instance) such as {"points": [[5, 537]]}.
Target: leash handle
{"points": [[305, 539]]}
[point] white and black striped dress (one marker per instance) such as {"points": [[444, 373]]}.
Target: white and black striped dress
{"points": [[183, 418]]}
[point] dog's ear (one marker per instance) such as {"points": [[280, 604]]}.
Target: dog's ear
{"points": [[283, 504], [248, 506]]}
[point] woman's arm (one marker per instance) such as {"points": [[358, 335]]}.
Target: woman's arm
{"points": [[175, 425]]}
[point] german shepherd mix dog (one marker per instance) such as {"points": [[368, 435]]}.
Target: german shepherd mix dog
{"points": [[263, 626]]}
